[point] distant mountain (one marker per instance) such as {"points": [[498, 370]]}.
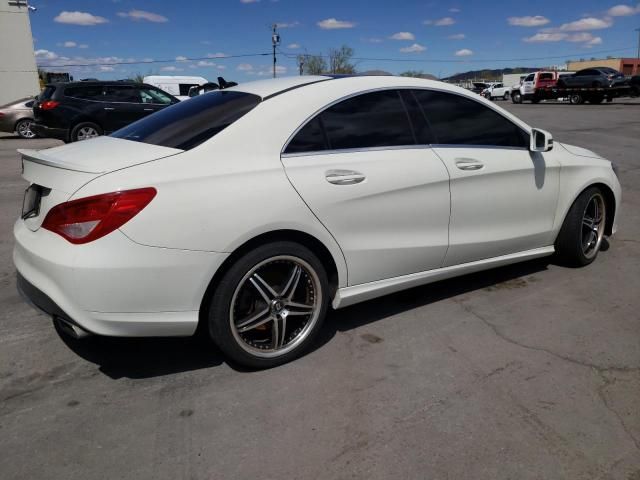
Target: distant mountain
{"points": [[489, 74]]}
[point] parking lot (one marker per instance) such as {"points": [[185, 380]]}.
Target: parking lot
{"points": [[526, 372]]}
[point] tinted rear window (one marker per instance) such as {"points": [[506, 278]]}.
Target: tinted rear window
{"points": [[187, 124], [85, 92], [47, 93]]}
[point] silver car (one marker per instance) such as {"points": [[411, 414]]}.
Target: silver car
{"points": [[18, 117]]}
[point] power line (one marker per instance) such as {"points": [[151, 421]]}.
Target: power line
{"points": [[478, 60], [144, 62], [372, 59]]}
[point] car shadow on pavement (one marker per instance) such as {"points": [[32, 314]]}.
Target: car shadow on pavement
{"points": [[138, 358], [356, 316]]}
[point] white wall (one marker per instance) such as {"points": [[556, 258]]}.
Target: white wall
{"points": [[18, 71]]}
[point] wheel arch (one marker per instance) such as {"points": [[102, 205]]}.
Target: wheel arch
{"points": [[610, 202], [15, 125], [297, 236]]}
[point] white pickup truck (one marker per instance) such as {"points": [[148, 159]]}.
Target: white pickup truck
{"points": [[497, 90]]}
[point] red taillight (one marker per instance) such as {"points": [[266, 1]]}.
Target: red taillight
{"points": [[49, 104], [87, 219]]}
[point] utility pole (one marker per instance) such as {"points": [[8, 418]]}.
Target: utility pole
{"points": [[275, 41], [301, 66], [638, 30]]}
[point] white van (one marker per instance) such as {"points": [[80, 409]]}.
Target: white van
{"points": [[178, 86]]}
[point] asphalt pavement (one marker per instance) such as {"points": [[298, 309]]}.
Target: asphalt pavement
{"points": [[526, 372]]}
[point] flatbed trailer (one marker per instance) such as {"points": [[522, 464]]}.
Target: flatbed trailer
{"points": [[575, 96]]}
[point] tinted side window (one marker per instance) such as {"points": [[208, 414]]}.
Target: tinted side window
{"points": [[530, 78], [310, 138], [546, 76], [187, 124], [375, 119], [184, 88], [88, 92], [152, 95], [456, 120], [421, 127], [121, 93]]}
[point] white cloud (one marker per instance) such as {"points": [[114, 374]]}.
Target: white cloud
{"points": [[465, 52], [288, 24], [457, 36], [69, 44], [138, 15], [106, 68], [415, 48], [249, 1], [171, 68], [206, 63], [43, 54], [589, 23], [83, 45], [541, 37], [441, 22], [623, 11], [403, 36], [333, 24], [181, 58], [79, 18], [245, 67], [216, 55], [293, 46], [454, 10], [581, 37], [535, 21]]}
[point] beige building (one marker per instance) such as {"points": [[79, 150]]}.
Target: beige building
{"points": [[628, 66], [18, 71]]}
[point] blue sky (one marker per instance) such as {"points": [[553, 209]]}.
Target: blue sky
{"points": [[438, 37]]}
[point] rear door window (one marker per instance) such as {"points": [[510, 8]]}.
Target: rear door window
{"points": [[187, 124], [121, 94], [85, 92], [377, 119]]}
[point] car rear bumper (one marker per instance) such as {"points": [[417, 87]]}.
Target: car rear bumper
{"points": [[47, 132], [113, 286]]}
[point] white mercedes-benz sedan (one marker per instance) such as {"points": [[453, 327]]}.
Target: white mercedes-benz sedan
{"points": [[246, 213]]}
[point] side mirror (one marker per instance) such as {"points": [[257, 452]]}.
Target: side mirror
{"points": [[541, 141]]}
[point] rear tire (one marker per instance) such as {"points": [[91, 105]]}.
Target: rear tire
{"points": [[576, 99], [582, 232], [505, 97], [269, 306], [24, 128], [85, 131]]}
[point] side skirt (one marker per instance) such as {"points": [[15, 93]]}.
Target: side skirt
{"points": [[366, 291]]}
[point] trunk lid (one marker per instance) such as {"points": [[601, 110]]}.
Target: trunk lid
{"points": [[60, 171]]}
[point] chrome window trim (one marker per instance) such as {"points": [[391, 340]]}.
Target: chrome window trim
{"points": [[379, 89], [316, 153]]}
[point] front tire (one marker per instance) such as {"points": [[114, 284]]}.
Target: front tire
{"points": [[516, 97], [269, 306], [582, 232]]}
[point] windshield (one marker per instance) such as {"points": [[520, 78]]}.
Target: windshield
{"points": [[187, 124]]}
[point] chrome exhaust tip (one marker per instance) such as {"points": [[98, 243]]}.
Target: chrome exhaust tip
{"points": [[69, 328]]}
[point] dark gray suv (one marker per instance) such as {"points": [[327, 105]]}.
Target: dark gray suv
{"points": [[598, 77]]}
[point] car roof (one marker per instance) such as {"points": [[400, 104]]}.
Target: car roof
{"points": [[94, 83], [272, 87]]}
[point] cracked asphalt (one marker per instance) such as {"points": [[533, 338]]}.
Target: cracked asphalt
{"points": [[526, 372]]}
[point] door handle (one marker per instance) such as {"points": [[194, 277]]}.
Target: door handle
{"points": [[109, 108], [469, 164], [343, 177]]}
